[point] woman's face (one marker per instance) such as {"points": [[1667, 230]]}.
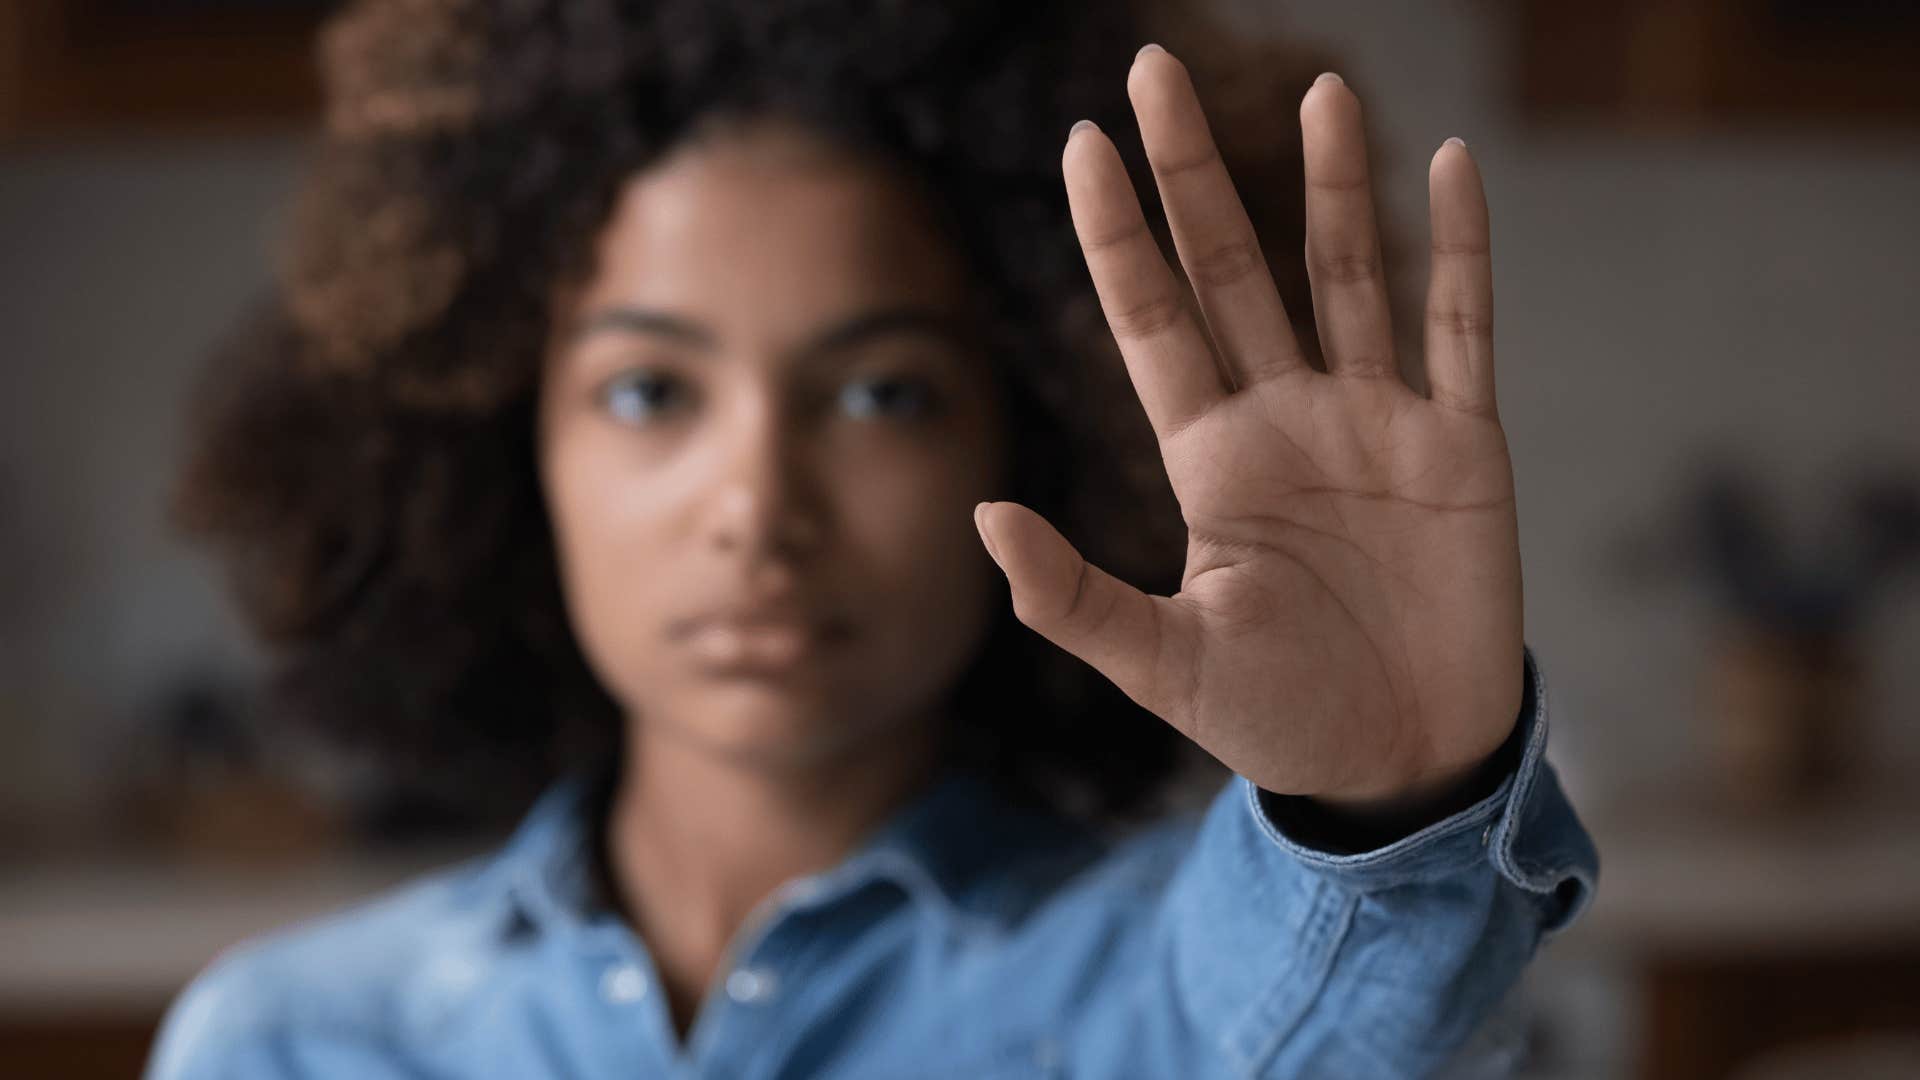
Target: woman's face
{"points": [[762, 434]]}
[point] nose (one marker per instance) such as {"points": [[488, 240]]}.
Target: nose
{"points": [[767, 504]]}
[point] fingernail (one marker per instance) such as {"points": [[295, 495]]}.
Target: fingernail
{"points": [[1080, 126], [985, 540], [1457, 141], [1147, 48], [1330, 79]]}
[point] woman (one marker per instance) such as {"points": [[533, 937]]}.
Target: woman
{"points": [[659, 398]]}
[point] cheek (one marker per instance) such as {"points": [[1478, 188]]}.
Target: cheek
{"points": [[607, 534], [907, 524]]}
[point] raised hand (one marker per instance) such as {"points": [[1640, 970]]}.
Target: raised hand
{"points": [[1349, 622]]}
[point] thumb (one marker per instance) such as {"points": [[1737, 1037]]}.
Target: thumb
{"points": [[1104, 621]]}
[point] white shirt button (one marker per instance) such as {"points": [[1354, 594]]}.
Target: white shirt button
{"points": [[749, 986], [623, 984]]}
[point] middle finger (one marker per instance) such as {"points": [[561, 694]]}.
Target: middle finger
{"points": [[1216, 242], [1343, 244]]}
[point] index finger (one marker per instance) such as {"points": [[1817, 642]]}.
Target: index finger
{"points": [[1167, 355]]}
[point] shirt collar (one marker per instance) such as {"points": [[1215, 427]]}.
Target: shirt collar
{"points": [[946, 849]]}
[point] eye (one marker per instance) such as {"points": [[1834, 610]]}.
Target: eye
{"points": [[903, 396], [638, 396]]}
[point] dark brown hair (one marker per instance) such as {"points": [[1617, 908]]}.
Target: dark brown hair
{"points": [[363, 448]]}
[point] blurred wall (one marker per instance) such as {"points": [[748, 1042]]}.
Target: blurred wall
{"points": [[122, 262], [1656, 295]]}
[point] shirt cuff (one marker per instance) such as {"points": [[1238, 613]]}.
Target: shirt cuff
{"points": [[1525, 829]]}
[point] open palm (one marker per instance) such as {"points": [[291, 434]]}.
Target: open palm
{"points": [[1349, 620]]}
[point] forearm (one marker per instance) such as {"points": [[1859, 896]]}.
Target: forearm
{"points": [[1309, 948]]}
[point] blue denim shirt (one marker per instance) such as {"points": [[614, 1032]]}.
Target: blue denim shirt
{"points": [[965, 939]]}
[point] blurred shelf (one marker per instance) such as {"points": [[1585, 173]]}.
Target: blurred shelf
{"points": [[1692, 65], [123, 938], [1747, 935], [83, 67], [1684, 875]]}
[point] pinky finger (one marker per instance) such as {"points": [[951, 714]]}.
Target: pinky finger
{"points": [[1459, 322]]}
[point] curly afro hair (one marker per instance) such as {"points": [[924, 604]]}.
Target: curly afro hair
{"points": [[363, 452]]}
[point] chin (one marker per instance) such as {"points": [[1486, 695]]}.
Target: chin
{"points": [[768, 725]]}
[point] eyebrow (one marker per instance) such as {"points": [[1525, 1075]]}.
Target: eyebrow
{"points": [[857, 330]]}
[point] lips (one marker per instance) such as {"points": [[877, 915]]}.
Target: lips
{"points": [[765, 639]]}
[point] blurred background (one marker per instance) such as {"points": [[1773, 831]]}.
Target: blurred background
{"points": [[1707, 260]]}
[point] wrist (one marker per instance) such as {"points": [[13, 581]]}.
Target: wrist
{"points": [[1434, 795], [1428, 790], [1352, 824]]}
